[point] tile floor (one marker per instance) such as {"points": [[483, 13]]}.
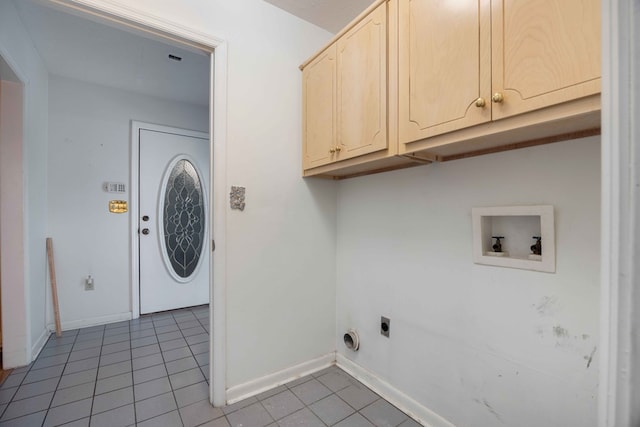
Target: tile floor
{"points": [[153, 371]]}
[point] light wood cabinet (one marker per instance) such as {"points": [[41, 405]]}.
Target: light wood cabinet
{"points": [[545, 52], [319, 107], [468, 62], [346, 128], [444, 66], [362, 87], [415, 81]]}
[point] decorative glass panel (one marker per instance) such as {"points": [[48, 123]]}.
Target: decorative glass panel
{"points": [[184, 218]]}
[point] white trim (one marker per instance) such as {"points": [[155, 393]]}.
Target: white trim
{"points": [[412, 408], [619, 225], [218, 175], [93, 321], [40, 342], [134, 267], [259, 385], [142, 21], [21, 75]]}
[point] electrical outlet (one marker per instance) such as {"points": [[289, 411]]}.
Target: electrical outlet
{"points": [[385, 326], [88, 284]]}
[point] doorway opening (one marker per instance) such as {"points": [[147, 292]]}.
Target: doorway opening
{"points": [[12, 321], [152, 28]]}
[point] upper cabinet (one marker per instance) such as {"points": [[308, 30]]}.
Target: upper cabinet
{"points": [[444, 66], [545, 52], [412, 81], [467, 62], [319, 106], [345, 100], [362, 87]]}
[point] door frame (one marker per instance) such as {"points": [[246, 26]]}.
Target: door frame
{"points": [[129, 18], [619, 389], [134, 202], [16, 342]]}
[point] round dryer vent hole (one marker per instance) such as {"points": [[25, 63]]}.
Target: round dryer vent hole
{"points": [[351, 340]]}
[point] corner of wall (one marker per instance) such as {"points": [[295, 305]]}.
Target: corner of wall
{"points": [[412, 408]]}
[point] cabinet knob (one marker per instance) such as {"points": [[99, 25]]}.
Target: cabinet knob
{"points": [[497, 97], [338, 148], [332, 150], [480, 102]]}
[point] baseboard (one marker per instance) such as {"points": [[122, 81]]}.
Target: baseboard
{"points": [[415, 410], [39, 344], [94, 321], [257, 386]]}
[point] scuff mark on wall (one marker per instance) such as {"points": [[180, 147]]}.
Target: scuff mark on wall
{"points": [[589, 358], [562, 336], [490, 408], [560, 332], [546, 306]]}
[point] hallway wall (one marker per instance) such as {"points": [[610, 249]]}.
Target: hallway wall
{"points": [[89, 144]]}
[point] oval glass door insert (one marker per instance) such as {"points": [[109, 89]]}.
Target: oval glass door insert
{"points": [[183, 219]]}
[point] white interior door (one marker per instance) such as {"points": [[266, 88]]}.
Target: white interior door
{"points": [[173, 219]]}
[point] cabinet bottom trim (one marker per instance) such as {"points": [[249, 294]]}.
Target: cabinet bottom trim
{"points": [[524, 144]]}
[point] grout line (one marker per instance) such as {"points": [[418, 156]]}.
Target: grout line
{"points": [[133, 382], [164, 363], [265, 409], [95, 384], [59, 378]]}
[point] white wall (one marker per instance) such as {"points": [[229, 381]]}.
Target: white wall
{"points": [[18, 51], [89, 144], [478, 345], [281, 249]]}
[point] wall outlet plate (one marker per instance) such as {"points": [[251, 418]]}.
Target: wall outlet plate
{"points": [[385, 326]]}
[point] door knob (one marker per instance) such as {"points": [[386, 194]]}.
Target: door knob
{"points": [[480, 102], [145, 218], [497, 97], [332, 150], [145, 231], [338, 149]]}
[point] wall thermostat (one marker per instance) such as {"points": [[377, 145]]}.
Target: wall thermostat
{"points": [[114, 187]]}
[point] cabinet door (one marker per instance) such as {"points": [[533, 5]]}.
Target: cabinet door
{"points": [[318, 100], [362, 87], [545, 52], [444, 66]]}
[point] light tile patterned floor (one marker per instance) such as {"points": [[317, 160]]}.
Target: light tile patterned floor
{"points": [[153, 371]]}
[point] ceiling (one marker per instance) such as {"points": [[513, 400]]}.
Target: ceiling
{"points": [[92, 52], [332, 15]]}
